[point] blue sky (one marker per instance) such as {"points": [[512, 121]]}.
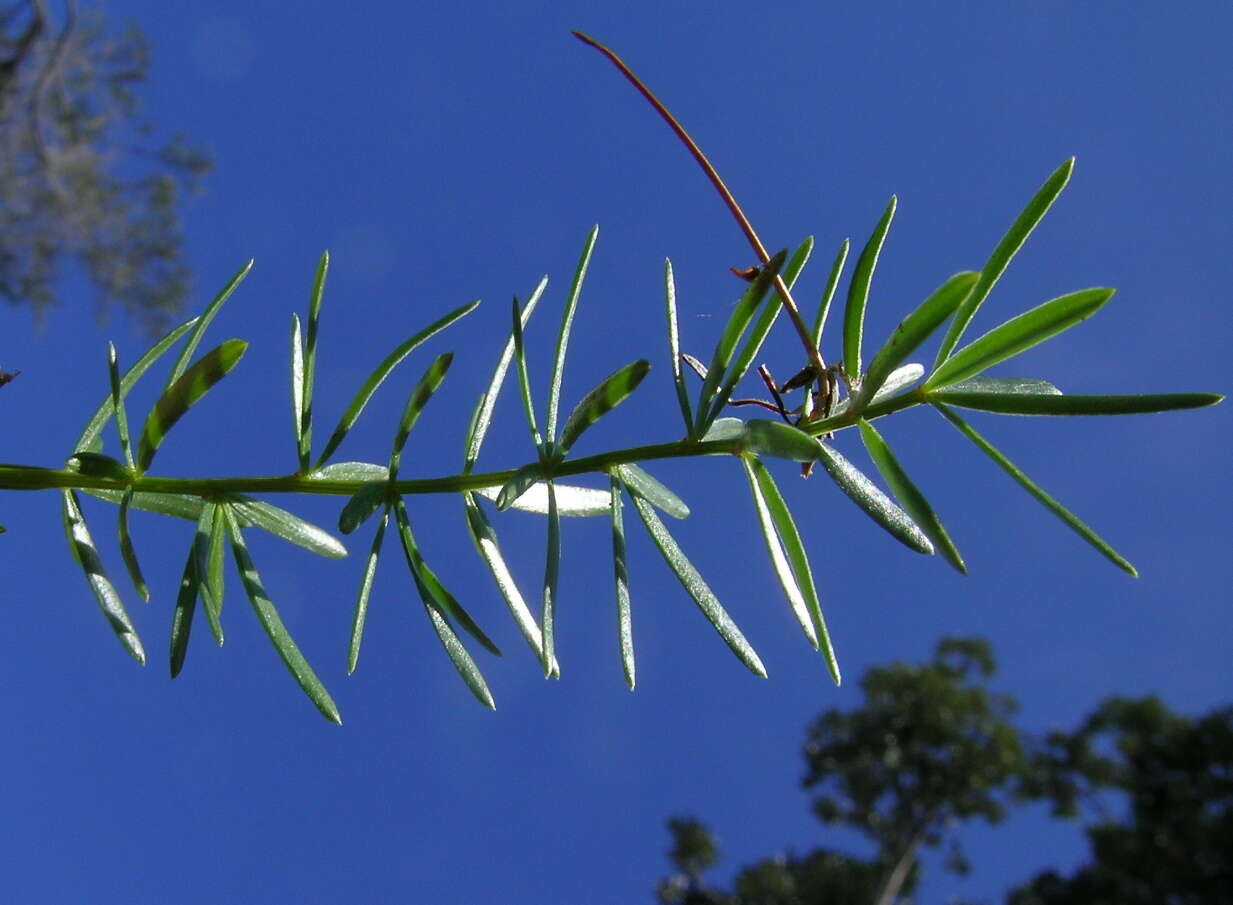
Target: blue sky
{"points": [[443, 158]]}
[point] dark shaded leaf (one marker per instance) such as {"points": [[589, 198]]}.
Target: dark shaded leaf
{"points": [[424, 390], [620, 564], [614, 390], [361, 603], [642, 483], [360, 507], [567, 320]]}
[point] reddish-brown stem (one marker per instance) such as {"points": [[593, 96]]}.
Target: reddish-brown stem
{"points": [[815, 356]]}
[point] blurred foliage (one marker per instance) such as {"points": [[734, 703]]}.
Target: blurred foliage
{"points": [[82, 174], [932, 748]]}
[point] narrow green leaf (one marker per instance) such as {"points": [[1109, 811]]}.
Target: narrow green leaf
{"points": [[757, 336], [361, 603], [915, 329], [186, 606], [360, 507], [429, 384], [305, 433], [289, 527], [1056, 404], [117, 404], [1001, 386], [297, 383], [828, 294], [899, 379], [782, 529], [351, 471], [876, 504], [725, 429], [642, 483], [572, 501], [552, 572], [909, 495], [98, 465], [442, 599], [482, 417], [620, 564], [184, 507], [81, 544], [1019, 334], [273, 624], [567, 321], [378, 376], [782, 441], [184, 393], [524, 382], [436, 599], [1002, 255], [485, 538], [1073, 521], [779, 561], [674, 348], [614, 390], [208, 545], [697, 588], [203, 322], [89, 439], [519, 483], [858, 292], [737, 324], [128, 553]]}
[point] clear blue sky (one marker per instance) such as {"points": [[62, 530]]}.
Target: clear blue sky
{"points": [[444, 156]]}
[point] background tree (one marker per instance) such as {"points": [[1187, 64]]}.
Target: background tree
{"points": [[931, 748], [81, 173], [1174, 843]]}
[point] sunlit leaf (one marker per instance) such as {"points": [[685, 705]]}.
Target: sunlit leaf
{"points": [[697, 588], [297, 383], [524, 381], [284, 524], [81, 544], [909, 495], [482, 417], [625, 630], [89, 439], [209, 545], [117, 404], [360, 507], [614, 390], [1002, 254], [1019, 334], [350, 471], [202, 323], [915, 329], [572, 501], [186, 392], [552, 572], [361, 603], [273, 624], [795, 573], [641, 482], [519, 483], [305, 433], [782, 441], [567, 320], [873, 501], [828, 294], [378, 376], [725, 429], [674, 349], [1073, 521], [858, 291]]}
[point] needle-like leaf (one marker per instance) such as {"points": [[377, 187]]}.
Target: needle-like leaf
{"points": [[436, 602], [858, 292], [203, 323], [128, 553], [963, 396], [284, 524], [361, 603], [572, 501], [81, 544], [552, 573], [614, 390], [424, 390], [674, 349], [1019, 334], [524, 382], [485, 538], [914, 330], [909, 495], [874, 502], [828, 294], [482, 417], [297, 382], [184, 393], [794, 571], [184, 507], [351, 471], [360, 507], [697, 588], [625, 628], [186, 606], [305, 433], [273, 624], [378, 376], [782, 441], [1073, 521], [1002, 254], [209, 546], [643, 483], [567, 321], [90, 437], [117, 404]]}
